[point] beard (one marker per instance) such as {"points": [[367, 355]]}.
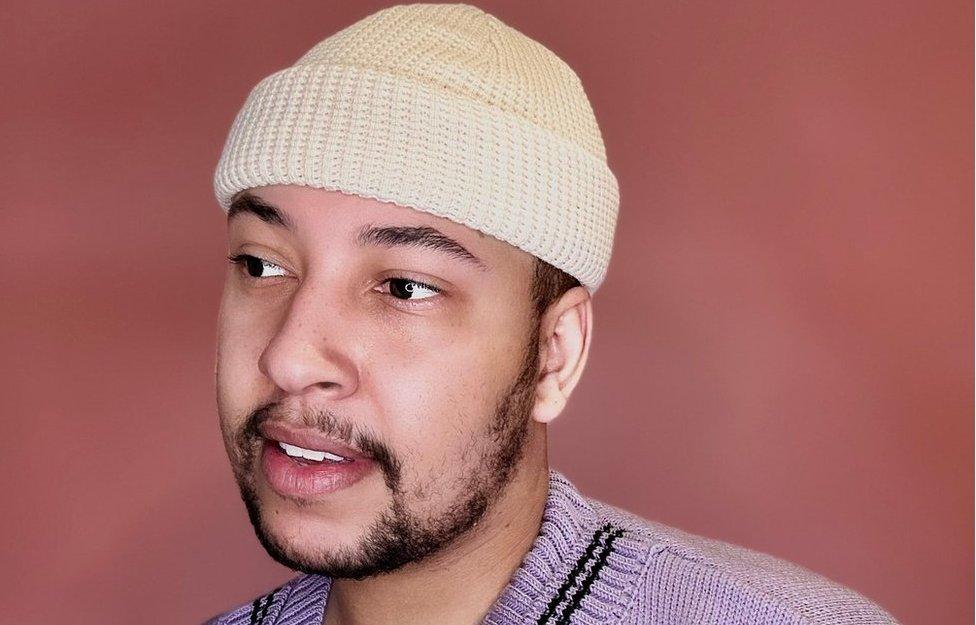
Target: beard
{"points": [[398, 536]]}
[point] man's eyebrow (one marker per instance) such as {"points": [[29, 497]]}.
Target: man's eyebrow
{"points": [[417, 236], [247, 203], [386, 236]]}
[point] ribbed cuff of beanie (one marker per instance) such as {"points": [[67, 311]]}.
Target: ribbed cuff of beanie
{"points": [[381, 136]]}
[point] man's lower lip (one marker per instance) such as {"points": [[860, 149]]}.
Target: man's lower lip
{"points": [[293, 478]]}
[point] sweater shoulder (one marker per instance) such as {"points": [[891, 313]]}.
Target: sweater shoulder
{"points": [[706, 580]]}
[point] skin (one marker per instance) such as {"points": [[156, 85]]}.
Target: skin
{"points": [[456, 387]]}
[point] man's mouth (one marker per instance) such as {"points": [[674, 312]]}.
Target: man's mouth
{"points": [[303, 463]]}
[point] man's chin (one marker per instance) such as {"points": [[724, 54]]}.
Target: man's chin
{"points": [[309, 558], [298, 540], [298, 535]]}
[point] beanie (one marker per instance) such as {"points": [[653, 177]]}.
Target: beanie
{"points": [[441, 108]]}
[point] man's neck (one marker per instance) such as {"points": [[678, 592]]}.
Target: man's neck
{"points": [[460, 585]]}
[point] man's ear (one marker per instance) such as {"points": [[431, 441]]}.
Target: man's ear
{"points": [[566, 329]]}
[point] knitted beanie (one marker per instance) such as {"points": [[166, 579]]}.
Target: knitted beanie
{"points": [[445, 109]]}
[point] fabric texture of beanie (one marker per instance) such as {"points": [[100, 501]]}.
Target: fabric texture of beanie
{"points": [[445, 109]]}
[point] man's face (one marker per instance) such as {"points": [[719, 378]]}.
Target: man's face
{"points": [[364, 331]]}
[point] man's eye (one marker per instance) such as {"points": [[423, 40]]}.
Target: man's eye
{"points": [[257, 267], [403, 288]]}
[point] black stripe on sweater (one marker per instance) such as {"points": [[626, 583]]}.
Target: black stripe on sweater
{"points": [[254, 610], [595, 551], [571, 578], [259, 609], [584, 588]]}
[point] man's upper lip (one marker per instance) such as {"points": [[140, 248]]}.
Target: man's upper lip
{"points": [[309, 439]]}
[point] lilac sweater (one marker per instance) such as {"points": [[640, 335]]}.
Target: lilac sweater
{"points": [[594, 563]]}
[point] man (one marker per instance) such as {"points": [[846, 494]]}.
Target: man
{"points": [[419, 213]]}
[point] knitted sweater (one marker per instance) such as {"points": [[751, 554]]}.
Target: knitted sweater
{"points": [[594, 563]]}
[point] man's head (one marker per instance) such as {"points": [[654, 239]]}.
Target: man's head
{"points": [[415, 242]]}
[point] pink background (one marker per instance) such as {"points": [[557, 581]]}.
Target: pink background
{"points": [[783, 347]]}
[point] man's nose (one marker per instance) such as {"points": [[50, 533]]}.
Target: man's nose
{"points": [[310, 351]]}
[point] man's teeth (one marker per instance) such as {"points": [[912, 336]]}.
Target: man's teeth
{"points": [[308, 454]]}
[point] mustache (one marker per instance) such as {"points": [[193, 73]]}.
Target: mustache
{"points": [[328, 423]]}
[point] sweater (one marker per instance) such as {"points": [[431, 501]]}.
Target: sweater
{"points": [[594, 563]]}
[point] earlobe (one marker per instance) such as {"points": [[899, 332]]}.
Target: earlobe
{"points": [[550, 399]]}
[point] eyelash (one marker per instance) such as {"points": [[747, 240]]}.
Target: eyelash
{"points": [[240, 260]]}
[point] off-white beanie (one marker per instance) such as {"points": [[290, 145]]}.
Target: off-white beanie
{"points": [[445, 109]]}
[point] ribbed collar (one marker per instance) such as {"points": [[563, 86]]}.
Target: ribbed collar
{"points": [[580, 570]]}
